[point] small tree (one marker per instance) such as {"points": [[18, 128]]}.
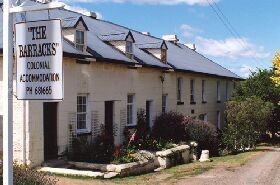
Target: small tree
{"points": [[247, 120], [260, 84]]}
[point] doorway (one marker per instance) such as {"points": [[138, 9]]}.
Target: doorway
{"points": [[50, 130], [109, 117]]}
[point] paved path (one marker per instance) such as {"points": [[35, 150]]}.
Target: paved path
{"points": [[264, 170]]}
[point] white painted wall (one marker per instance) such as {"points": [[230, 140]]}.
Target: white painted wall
{"points": [[110, 82]]}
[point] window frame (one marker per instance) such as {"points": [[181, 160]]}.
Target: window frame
{"points": [[203, 92], [179, 89], [192, 91], [227, 90], [80, 45], [132, 121], [218, 91], [129, 49], [164, 108], [85, 113], [163, 55]]}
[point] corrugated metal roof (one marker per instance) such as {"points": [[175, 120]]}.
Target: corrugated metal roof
{"points": [[156, 45], [114, 36], [69, 22]]}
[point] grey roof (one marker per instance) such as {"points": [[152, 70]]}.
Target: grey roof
{"points": [[72, 22], [179, 57], [114, 36], [155, 45]]}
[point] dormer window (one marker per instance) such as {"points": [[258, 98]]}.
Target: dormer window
{"points": [[80, 40], [163, 55], [122, 41], [156, 49], [129, 49], [75, 32]]}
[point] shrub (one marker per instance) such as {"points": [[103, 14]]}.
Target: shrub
{"points": [[205, 135], [169, 126], [247, 120], [143, 129], [24, 175], [123, 155], [88, 149]]}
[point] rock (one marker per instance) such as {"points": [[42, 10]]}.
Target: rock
{"points": [[108, 168], [110, 175], [163, 162], [186, 156], [204, 156], [85, 165], [164, 153], [64, 171]]}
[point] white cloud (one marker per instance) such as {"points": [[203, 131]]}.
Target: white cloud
{"points": [[245, 70], [82, 11], [230, 48], [165, 2], [188, 31]]}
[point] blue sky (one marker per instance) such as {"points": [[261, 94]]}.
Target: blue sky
{"points": [[195, 21]]}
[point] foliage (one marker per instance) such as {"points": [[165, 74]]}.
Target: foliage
{"points": [[276, 64], [204, 135], [143, 129], [260, 84], [169, 126], [95, 150], [24, 175], [122, 155], [247, 120]]}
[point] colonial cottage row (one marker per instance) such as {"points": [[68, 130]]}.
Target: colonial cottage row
{"points": [[111, 72]]}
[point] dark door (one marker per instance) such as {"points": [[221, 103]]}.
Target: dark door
{"points": [[50, 130], [109, 117]]}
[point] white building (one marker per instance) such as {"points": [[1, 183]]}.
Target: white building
{"points": [[110, 72]]}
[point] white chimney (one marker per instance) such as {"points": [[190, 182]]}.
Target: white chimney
{"points": [[146, 33], [170, 38], [191, 46], [92, 15]]}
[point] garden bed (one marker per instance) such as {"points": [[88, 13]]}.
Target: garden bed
{"points": [[154, 162]]}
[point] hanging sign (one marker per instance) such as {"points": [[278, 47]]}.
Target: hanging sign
{"points": [[39, 60]]}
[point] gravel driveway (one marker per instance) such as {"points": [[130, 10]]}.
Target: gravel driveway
{"points": [[264, 170]]}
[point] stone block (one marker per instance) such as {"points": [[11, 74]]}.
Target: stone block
{"points": [[204, 156], [110, 175]]}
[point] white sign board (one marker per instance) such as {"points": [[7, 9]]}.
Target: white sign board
{"points": [[39, 60]]}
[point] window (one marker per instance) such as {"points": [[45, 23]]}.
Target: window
{"points": [[82, 109], [179, 89], [227, 85], [131, 117], [80, 40], [163, 55], [203, 97], [219, 119], [218, 91], [192, 91], [164, 103], [129, 49], [203, 117]]}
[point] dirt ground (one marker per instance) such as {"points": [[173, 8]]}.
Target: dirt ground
{"points": [[263, 170]]}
